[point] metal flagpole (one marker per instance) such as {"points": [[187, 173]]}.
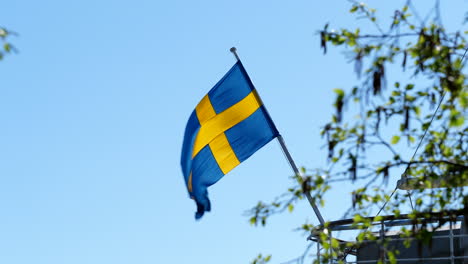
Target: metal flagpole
{"points": [[298, 173], [291, 161]]}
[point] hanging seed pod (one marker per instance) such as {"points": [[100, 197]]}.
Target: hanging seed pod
{"points": [[403, 64]]}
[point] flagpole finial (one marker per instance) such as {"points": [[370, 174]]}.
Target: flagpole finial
{"points": [[234, 51]]}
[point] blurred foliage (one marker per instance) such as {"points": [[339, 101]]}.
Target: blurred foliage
{"points": [[424, 114], [6, 46], [261, 259]]}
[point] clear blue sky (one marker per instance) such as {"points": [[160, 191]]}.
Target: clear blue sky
{"points": [[93, 109]]}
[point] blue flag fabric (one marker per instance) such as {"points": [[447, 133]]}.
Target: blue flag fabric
{"points": [[227, 127]]}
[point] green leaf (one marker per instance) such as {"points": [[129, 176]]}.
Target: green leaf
{"points": [[457, 64], [391, 257], [409, 98], [335, 243], [457, 121], [456, 118], [353, 9], [395, 139], [334, 119], [419, 202], [290, 208], [358, 219], [396, 93], [463, 99], [339, 92], [417, 110], [7, 47]]}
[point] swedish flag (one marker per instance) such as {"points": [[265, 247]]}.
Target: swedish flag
{"points": [[228, 126]]}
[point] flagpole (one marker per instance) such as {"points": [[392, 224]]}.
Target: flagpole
{"points": [[234, 51], [298, 173], [291, 161]]}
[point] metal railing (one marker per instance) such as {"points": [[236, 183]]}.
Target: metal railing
{"points": [[454, 255]]}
